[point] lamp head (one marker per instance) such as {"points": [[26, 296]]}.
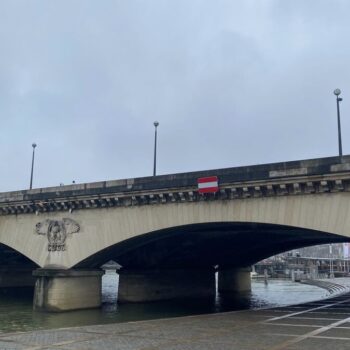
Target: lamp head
{"points": [[155, 123], [34, 145], [337, 92]]}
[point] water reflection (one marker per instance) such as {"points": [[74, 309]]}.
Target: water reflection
{"points": [[16, 312]]}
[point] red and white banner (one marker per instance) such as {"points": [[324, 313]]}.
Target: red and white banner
{"points": [[208, 184]]}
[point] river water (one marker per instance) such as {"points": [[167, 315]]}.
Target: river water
{"points": [[16, 312]]}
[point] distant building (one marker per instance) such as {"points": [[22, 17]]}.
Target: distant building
{"points": [[327, 260], [326, 251]]}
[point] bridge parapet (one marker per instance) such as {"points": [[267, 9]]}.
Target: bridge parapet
{"points": [[279, 179]]}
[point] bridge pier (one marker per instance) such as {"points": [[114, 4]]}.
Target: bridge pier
{"points": [[63, 290], [155, 285], [236, 280]]}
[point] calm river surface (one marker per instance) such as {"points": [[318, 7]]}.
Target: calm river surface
{"points": [[16, 312]]}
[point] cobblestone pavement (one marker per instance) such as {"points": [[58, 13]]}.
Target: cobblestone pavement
{"points": [[321, 325]]}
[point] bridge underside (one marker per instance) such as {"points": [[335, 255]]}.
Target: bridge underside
{"points": [[181, 261], [15, 269], [228, 245], [173, 263]]}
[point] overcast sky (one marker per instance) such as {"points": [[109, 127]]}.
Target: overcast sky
{"points": [[230, 82]]}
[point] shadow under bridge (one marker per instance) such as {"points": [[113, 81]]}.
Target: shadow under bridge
{"points": [[181, 261], [203, 246]]}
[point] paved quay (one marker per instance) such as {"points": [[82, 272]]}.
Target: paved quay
{"points": [[317, 325]]}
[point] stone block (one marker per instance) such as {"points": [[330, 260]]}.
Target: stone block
{"points": [[63, 290]]}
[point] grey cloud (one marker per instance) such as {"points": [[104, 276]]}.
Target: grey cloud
{"points": [[231, 83]]}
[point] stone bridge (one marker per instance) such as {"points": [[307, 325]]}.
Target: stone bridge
{"points": [[168, 237]]}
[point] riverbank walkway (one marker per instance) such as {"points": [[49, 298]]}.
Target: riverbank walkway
{"points": [[323, 324]]}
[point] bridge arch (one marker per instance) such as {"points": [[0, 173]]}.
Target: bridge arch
{"points": [[107, 228], [224, 244], [179, 261], [328, 214]]}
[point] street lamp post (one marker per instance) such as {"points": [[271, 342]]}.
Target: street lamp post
{"points": [[337, 92], [331, 268], [31, 174], [155, 148]]}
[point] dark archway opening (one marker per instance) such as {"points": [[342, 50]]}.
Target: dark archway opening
{"points": [[15, 272], [208, 246]]}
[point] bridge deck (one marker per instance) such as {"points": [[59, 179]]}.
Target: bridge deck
{"points": [[317, 325], [305, 176]]}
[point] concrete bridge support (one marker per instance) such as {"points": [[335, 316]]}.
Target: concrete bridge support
{"points": [[63, 290], [154, 285], [234, 280]]}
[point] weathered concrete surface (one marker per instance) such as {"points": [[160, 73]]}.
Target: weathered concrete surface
{"points": [[312, 326], [63, 290], [154, 285]]}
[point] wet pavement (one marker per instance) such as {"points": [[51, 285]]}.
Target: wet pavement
{"points": [[317, 325]]}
